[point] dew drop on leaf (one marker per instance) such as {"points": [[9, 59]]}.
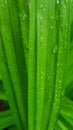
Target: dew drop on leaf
{"points": [[58, 1], [2, 5], [5, 1], [41, 18], [37, 74], [51, 27], [24, 16], [62, 3], [41, 6], [31, 48], [44, 9], [41, 39], [41, 88], [41, 75], [55, 48], [66, 24], [65, 7], [51, 17]]}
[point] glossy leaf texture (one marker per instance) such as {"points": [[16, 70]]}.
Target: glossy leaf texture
{"points": [[36, 64]]}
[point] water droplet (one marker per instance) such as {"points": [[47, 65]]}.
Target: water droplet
{"points": [[41, 6], [41, 39], [44, 9], [41, 88], [41, 75], [51, 27], [51, 17], [37, 74], [24, 16], [55, 49], [58, 1], [65, 7], [31, 48], [66, 24], [58, 64], [5, 1], [2, 5], [41, 18], [62, 3]]}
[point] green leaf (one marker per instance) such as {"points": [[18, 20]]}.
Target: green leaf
{"points": [[61, 125], [24, 22], [8, 86], [32, 66], [63, 46], [46, 56], [6, 119], [12, 61], [66, 107]]}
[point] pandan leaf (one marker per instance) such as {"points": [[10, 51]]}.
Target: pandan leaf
{"points": [[3, 95], [65, 122], [12, 61], [6, 119], [32, 66], [63, 45], [8, 86], [46, 55], [12, 127], [18, 46], [23, 6], [61, 125], [2, 92], [69, 120], [36, 75], [66, 107]]}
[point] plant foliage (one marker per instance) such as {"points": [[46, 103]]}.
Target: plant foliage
{"points": [[36, 66]]}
